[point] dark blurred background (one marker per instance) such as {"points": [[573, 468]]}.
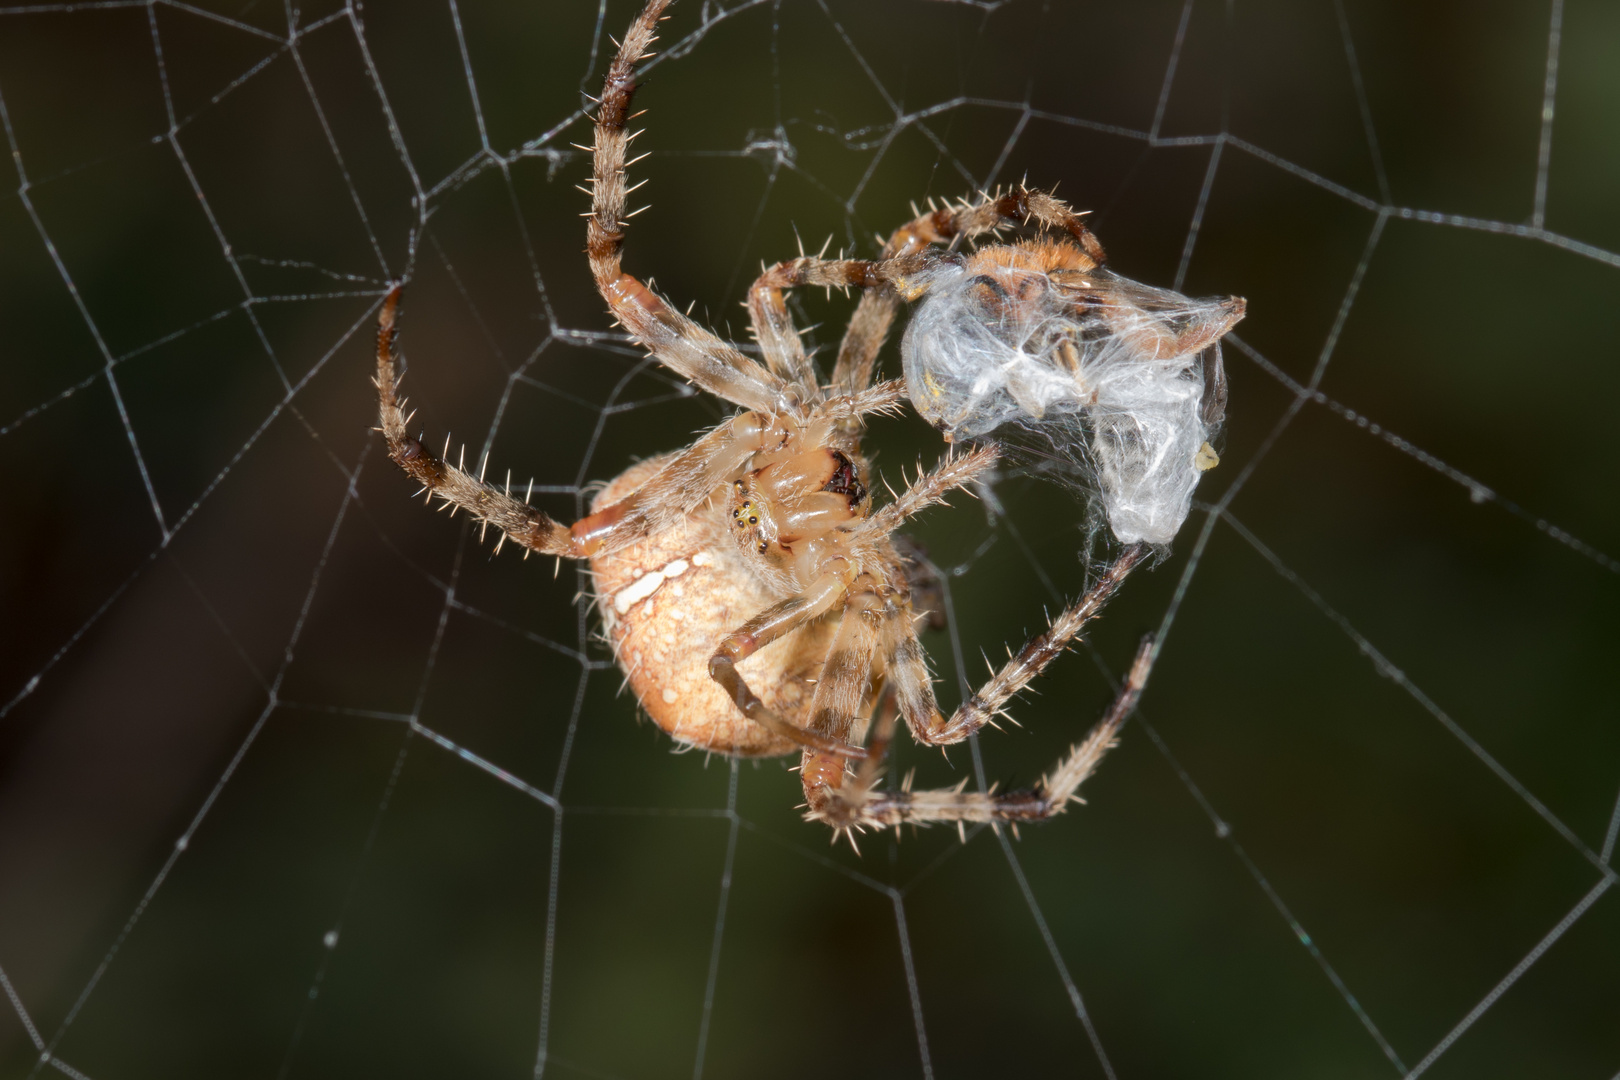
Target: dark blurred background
{"points": [[1377, 767]]}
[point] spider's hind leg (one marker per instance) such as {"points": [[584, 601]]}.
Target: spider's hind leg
{"points": [[1023, 666], [857, 805]]}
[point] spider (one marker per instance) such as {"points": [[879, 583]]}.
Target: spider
{"points": [[750, 587]]}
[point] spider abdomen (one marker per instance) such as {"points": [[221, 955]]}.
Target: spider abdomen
{"points": [[666, 603]]}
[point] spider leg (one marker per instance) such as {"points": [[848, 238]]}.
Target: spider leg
{"points": [[685, 481], [868, 330], [678, 342], [907, 667], [874, 316], [1030, 661], [774, 622], [930, 488], [824, 777], [778, 338], [839, 706], [1023, 205], [901, 260], [774, 329], [857, 805]]}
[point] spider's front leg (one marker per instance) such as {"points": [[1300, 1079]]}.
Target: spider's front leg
{"points": [[678, 342], [773, 325], [682, 484], [900, 261]]}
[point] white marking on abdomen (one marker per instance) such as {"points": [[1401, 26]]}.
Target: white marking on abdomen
{"points": [[647, 584]]}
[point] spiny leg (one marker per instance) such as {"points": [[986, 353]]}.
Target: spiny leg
{"points": [[874, 314], [876, 613], [523, 523], [786, 616], [677, 342], [778, 338], [907, 668], [857, 805], [928, 489], [842, 695], [1030, 661], [1024, 205], [684, 482], [832, 794]]}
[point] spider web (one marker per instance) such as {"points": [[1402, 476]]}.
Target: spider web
{"points": [[299, 779]]}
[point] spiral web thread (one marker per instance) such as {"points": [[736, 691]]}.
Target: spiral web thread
{"points": [[553, 145]]}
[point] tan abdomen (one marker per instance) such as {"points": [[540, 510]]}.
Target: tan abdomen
{"points": [[667, 601]]}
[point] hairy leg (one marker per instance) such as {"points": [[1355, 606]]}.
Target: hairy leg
{"points": [[831, 793], [930, 488], [1030, 661], [857, 805], [777, 336], [678, 487], [677, 341], [842, 694]]}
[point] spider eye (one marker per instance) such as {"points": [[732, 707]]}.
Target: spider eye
{"points": [[762, 549]]}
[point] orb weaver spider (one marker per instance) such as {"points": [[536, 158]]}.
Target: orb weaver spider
{"points": [[749, 585]]}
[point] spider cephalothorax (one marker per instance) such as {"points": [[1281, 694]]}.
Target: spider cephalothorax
{"points": [[751, 591], [789, 508]]}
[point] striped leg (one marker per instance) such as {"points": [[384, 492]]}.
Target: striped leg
{"points": [[683, 483], [678, 342], [773, 326], [857, 805], [934, 730], [1036, 654], [842, 697]]}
